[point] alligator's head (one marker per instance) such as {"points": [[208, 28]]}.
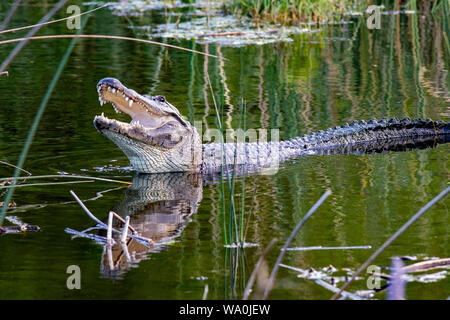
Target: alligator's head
{"points": [[157, 139]]}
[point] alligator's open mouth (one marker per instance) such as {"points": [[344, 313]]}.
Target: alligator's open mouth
{"points": [[157, 139], [148, 113]]}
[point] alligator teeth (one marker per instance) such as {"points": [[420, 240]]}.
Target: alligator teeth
{"points": [[114, 90], [130, 103], [103, 114], [101, 101]]}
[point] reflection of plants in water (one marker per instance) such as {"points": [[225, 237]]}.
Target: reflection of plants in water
{"points": [[294, 11], [234, 222], [234, 272], [236, 226]]}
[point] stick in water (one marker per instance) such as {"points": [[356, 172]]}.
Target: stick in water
{"points": [[87, 210], [109, 238], [125, 230]]}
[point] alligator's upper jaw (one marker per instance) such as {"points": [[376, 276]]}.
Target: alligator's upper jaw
{"points": [[124, 100], [146, 115]]}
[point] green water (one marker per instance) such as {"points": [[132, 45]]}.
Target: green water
{"points": [[321, 79]]}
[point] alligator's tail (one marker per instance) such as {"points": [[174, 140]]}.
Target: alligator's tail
{"points": [[357, 137], [373, 136]]}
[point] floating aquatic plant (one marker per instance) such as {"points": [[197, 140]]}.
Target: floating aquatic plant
{"points": [[226, 31], [140, 7]]}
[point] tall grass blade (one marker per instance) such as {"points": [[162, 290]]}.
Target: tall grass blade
{"points": [[10, 14], [51, 22], [38, 116], [24, 41]]}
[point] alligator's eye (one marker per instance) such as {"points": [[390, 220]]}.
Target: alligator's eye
{"points": [[161, 99]]}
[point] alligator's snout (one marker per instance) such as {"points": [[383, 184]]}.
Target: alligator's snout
{"points": [[112, 82]]}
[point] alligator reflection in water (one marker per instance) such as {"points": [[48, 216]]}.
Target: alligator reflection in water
{"points": [[159, 206]]}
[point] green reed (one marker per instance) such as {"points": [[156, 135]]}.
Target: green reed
{"points": [[232, 220]]}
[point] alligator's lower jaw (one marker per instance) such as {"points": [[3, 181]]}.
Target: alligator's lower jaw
{"points": [[133, 131], [136, 142]]}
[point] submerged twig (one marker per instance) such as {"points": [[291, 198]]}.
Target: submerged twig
{"points": [[393, 238], [325, 284], [427, 265], [290, 239], [328, 286], [19, 226], [327, 248], [17, 229], [82, 234]]}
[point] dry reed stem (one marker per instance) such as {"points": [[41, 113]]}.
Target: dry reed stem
{"points": [[99, 36]]}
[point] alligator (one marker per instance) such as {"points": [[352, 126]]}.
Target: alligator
{"points": [[158, 139]]}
